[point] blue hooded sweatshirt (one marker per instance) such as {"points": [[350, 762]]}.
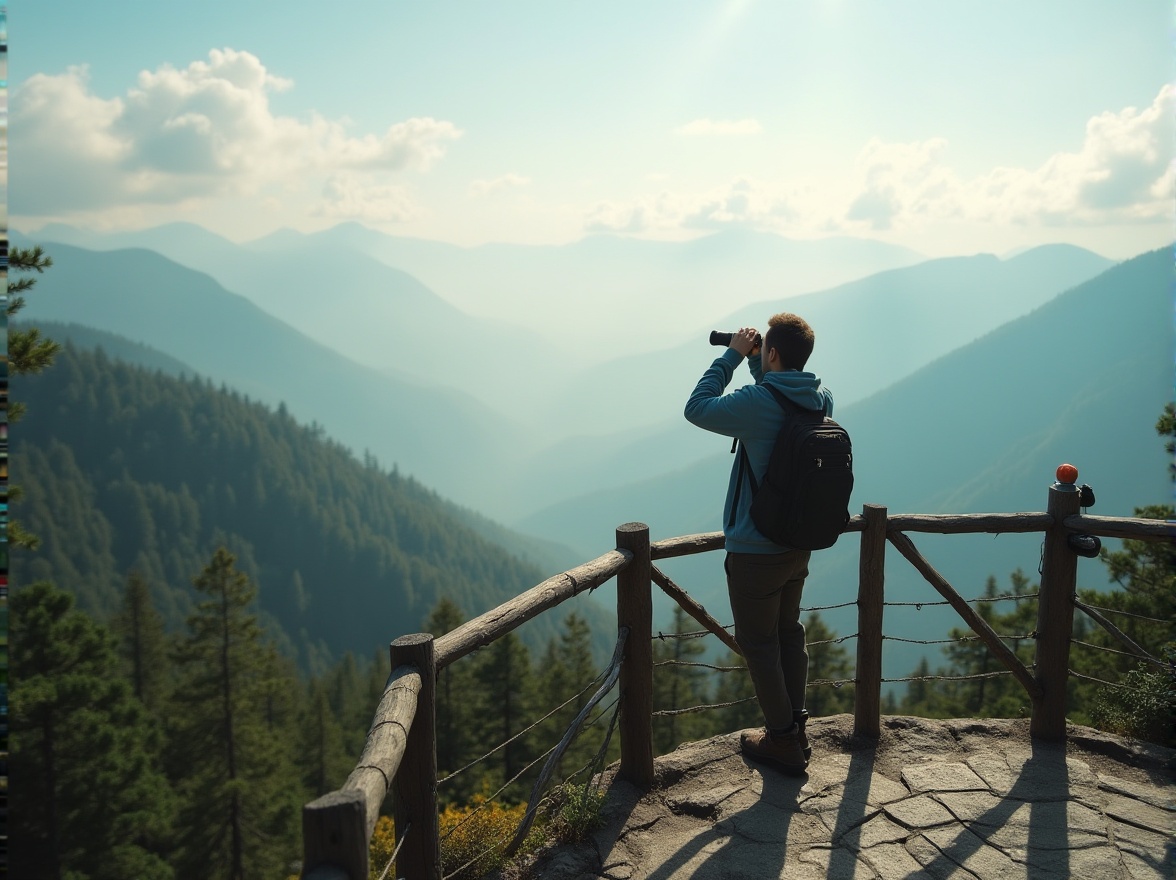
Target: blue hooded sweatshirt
{"points": [[752, 415]]}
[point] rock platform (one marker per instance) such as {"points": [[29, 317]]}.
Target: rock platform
{"points": [[960, 798]]}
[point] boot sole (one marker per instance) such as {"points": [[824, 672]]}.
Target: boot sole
{"points": [[788, 769]]}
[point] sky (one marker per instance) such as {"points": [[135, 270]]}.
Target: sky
{"points": [[947, 127]]}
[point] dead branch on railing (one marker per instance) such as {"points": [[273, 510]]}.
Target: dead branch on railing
{"points": [[614, 671], [693, 608], [978, 625]]}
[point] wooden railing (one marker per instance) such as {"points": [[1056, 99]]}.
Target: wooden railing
{"points": [[400, 752]]}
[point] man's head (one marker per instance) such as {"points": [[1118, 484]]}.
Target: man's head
{"points": [[788, 342]]}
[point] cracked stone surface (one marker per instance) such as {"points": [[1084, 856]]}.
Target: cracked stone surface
{"points": [[965, 799]]}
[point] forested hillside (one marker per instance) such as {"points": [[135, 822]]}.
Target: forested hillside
{"points": [[127, 469]]}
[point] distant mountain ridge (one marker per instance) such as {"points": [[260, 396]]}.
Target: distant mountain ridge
{"points": [[186, 314], [495, 439], [1082, 378], [125, 468]]}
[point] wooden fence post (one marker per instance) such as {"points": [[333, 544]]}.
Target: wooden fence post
{"points": [[1055, 616], [635, 610], [414, 788], [867, 694], [334, 837]]}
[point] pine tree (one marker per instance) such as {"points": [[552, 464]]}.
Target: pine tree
{"points": [[143, 644], [93, 802], [323, 757], [240, 800], [455, 692], [566, 671], [504, 677], [678, 686], [28, 353], [828, 661], [732, 687]]}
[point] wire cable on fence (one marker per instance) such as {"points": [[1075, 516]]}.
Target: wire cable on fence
{"points": [[830, 641], [696, 634], [949, 677], [1122, 687], [666, 713], [491, 798], [500, 842], [1128, 614], [701, 665], [829, 607], [396, 852], [1015, 597], [476, 858], [1132, 654], [614, 672], [919, 605], [506, 743], [1027, 636]]}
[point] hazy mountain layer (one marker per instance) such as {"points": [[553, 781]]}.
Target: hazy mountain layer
{"points": [[129, 469], [443, 436], [1081, 379]]}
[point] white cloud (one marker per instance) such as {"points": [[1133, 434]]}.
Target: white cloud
{"points": [[721, 127], [482, 188], [742, 203], [1122, 174], [182, 134], [349, 196]]}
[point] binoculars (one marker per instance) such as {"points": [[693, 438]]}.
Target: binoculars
{"points": [[718, 337]]}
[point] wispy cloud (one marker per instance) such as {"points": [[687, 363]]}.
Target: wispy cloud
{"points": [[483, 188], [182, 134], [719, 127], [349, 196]]}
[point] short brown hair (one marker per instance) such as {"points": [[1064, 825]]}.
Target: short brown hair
{"points": [[792, 338]]}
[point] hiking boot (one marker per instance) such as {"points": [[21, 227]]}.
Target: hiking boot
{"points": [[800, 718], [781, 750]]}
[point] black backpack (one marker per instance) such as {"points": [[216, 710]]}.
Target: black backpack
{"points": [[804, 499]]}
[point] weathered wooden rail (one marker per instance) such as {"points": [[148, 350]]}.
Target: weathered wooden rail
{"points": [[400, 753]]}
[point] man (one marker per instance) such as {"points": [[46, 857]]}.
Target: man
{"points": [[764, 579]]}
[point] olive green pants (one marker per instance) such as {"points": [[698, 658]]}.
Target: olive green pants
{"points": [[765, 593]]}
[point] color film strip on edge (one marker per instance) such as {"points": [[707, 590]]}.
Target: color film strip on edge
{"points": [[4, 444]]}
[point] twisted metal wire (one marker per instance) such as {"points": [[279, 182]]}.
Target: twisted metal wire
{"points": [[491, 798], [476, 858], [506, 743], [1127, 614], [949, 677], [665, 713], [702, 665], [507, 785], [1122, 687], [1025, 637], [830, 607], [1130, 654], [396, 852], [831, 641]]}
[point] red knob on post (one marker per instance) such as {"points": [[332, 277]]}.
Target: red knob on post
{"points": [[1067, 473]]}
